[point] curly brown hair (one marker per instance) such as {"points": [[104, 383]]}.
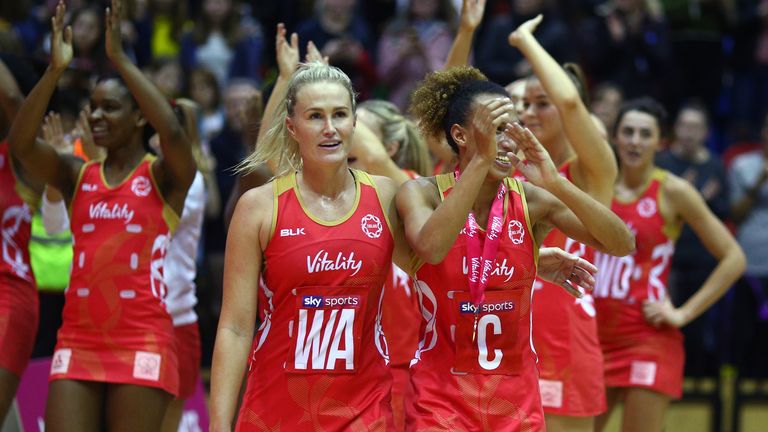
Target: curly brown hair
{"points": [[446, 98], [430, 101]]}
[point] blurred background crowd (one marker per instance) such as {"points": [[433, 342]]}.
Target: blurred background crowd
{"points": [[706, 60]]}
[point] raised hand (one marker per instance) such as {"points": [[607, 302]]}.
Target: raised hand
{"points": [[61, 39], [114, 37], [567, 270], [526, 28], [487, 119], [313, 54], [287, 53], [471, 14], [53, 134], [538, 167]]}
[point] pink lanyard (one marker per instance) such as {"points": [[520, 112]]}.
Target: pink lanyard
{"points": [[482, 255]]}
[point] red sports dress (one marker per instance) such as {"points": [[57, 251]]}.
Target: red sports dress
{"points": [[18, 295], [636, 353], [489, 383], [565, 336], [318, 361], [115, 325]]}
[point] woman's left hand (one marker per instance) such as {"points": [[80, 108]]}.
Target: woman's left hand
{"points": [[525, 28], [567, 270], [663, 312], [114, 37], [537, 167]]}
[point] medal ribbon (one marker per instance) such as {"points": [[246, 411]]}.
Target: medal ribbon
{"points": [[482, 255]]}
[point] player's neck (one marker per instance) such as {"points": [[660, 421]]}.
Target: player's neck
{"points": [[636, 178], [326, 181], [482, 205]]}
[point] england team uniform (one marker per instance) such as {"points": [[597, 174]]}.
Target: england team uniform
{"points": [[565, 336], [318, 361], [180, 270], [18, 294], [116, 328], [482, 377], [636, 353]]}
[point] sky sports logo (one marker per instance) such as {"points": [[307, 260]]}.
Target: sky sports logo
{"points": [[505, 306], [317, 302]]}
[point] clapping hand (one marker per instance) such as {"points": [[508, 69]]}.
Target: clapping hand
{"points": [[287, 53], [61, 39], [537, 167], [114, 37], [53, 134], [313, 54], [471, 14]]}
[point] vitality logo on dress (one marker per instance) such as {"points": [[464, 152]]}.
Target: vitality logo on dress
{"points": [[500, 269], [141, 186], [371, 226], [321, 262], [101, 210]]}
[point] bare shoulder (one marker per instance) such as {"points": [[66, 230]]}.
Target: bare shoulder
{"points": [[681, 197], [538, 201], [675, 188], [253, 212], [386, 186], [426, 186]]}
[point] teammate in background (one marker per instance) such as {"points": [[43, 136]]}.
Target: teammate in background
{"points": [[689, 158], [179, 270], [389, 144], [18, 294], [637, 322], [476, 367], [115, 355], [570, 361]]}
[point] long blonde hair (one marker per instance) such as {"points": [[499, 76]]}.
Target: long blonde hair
{"points": [[412, 153], [278, 143]]}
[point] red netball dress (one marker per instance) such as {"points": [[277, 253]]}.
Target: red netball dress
{"points": [[636, 353], [483, 377], [18, 295], [565, 336], [115, 325], [318, 362]]}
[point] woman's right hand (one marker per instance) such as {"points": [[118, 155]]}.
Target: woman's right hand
{"points": [[53, 134], [488, 120], [61, 39], [471, 14], [287, 54]]}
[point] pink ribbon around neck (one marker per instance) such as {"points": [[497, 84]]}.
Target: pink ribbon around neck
{"points": [[482, 254]]}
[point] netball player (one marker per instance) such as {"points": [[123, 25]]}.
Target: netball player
{"points": [[115, 356]]}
